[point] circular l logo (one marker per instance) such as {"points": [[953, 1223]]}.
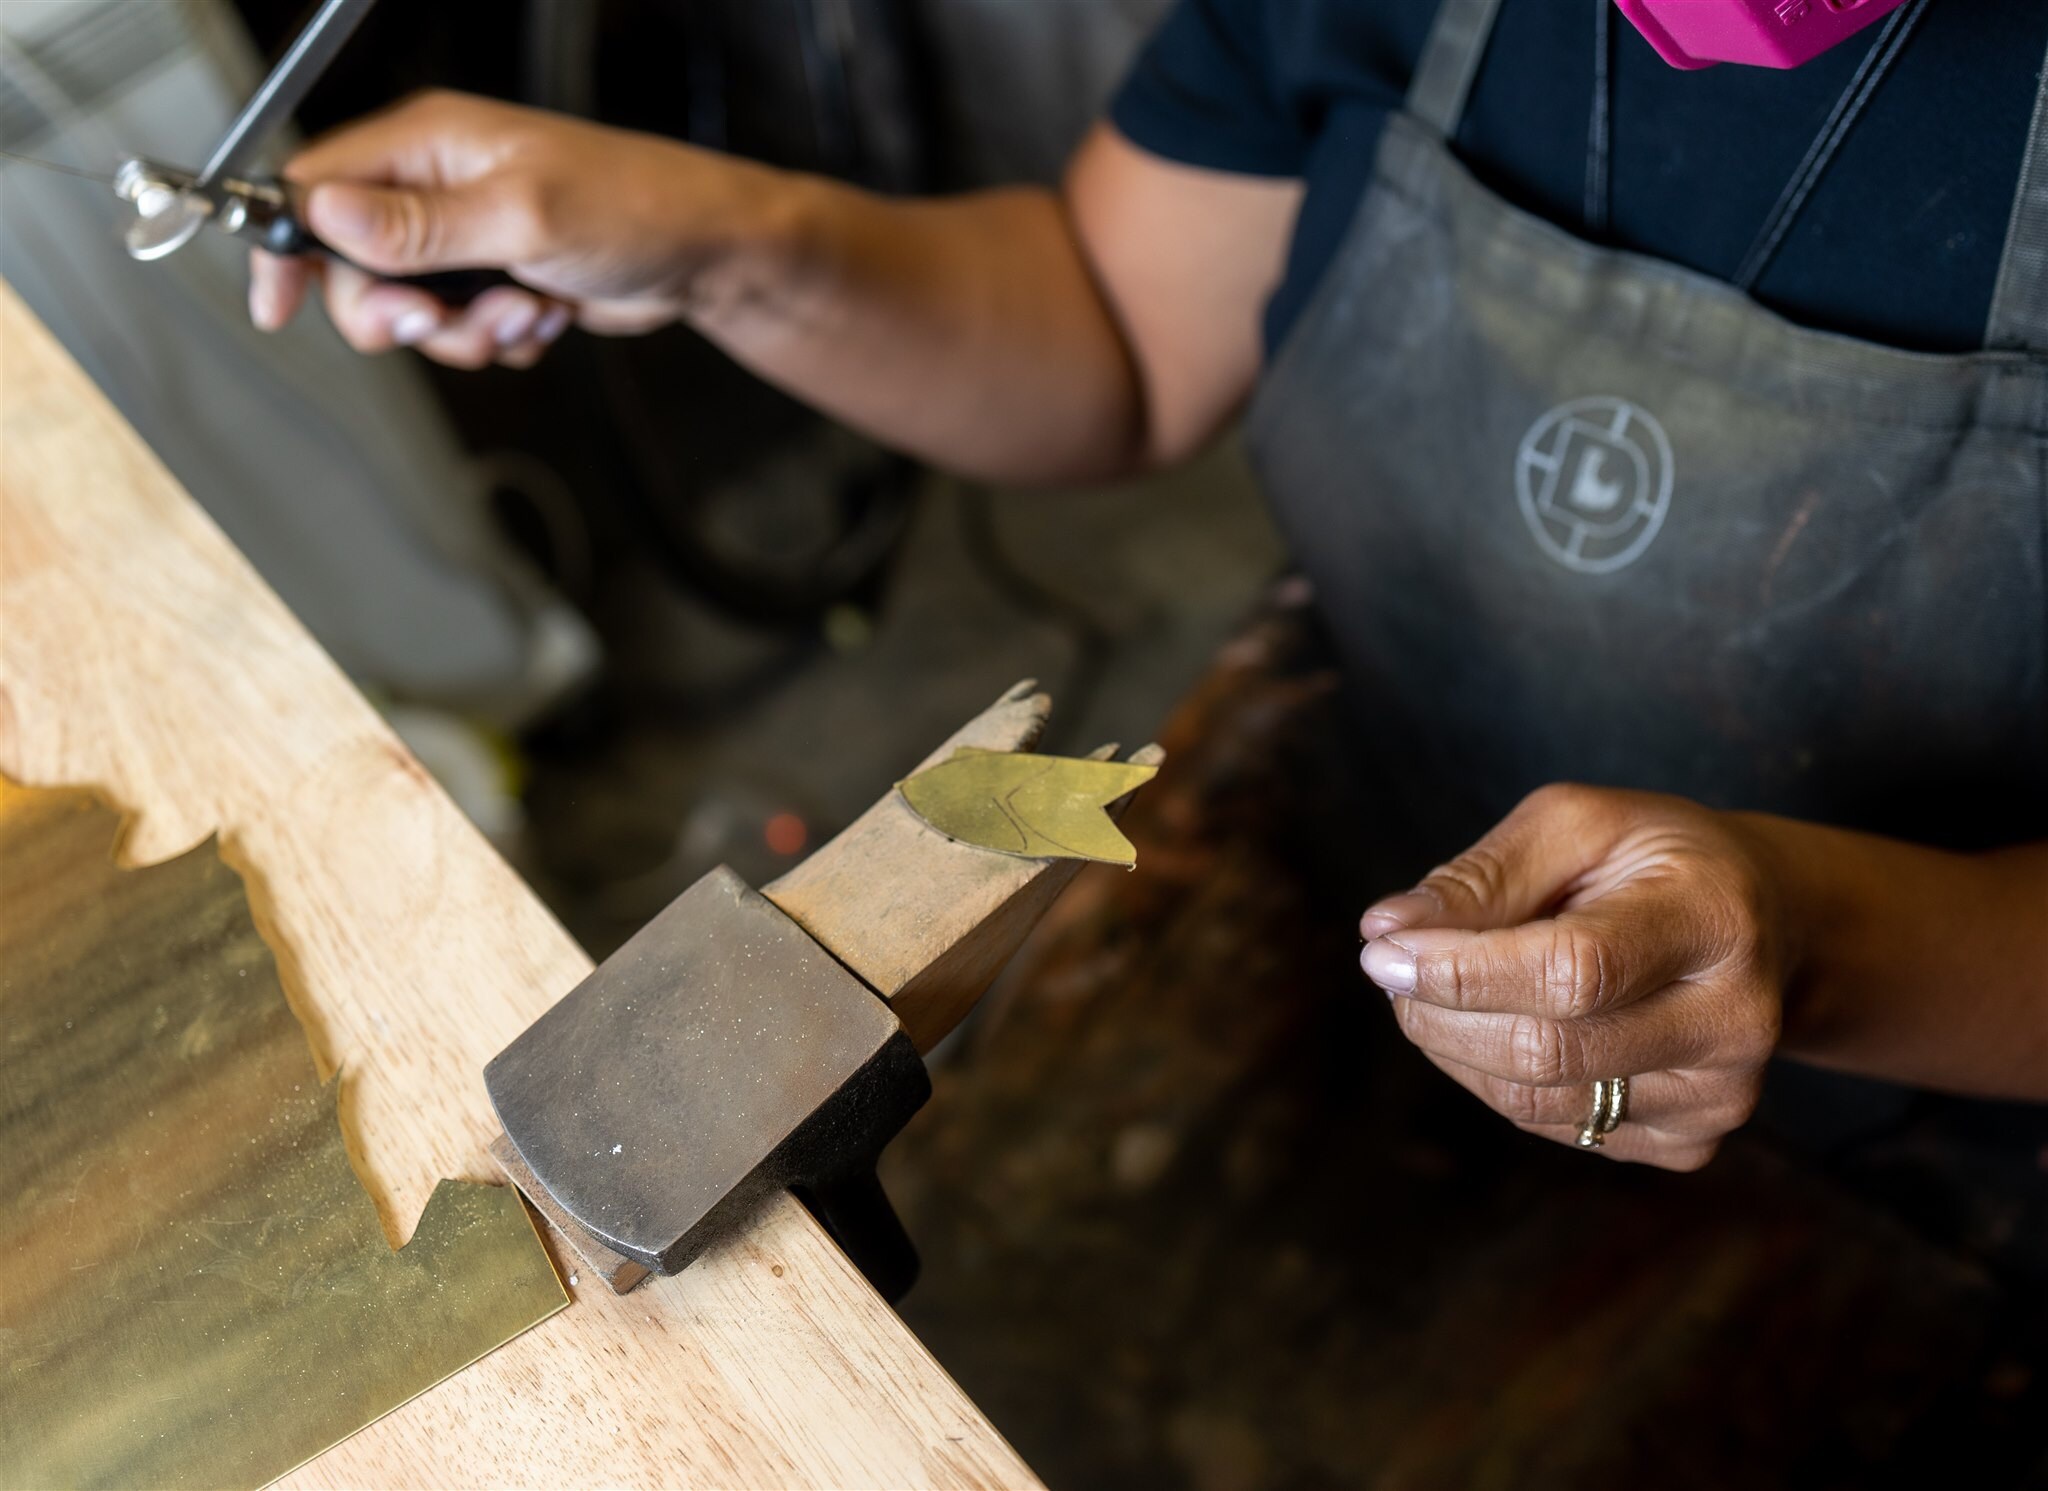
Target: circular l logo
{"points": [[1594, 480]]}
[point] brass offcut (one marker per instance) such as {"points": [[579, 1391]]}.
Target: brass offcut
{"points": [[1035, 807], [195, 1289]]}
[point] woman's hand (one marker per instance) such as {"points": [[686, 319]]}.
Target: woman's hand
{"points": [[615, 230], [1597, 934], [1010, 336]]}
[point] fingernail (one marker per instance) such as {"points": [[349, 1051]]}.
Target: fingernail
{"points": [[1396, 912], [340, 212], [515, 324], [1389, 965], [260, 313], [553, 322], [414, 326]]}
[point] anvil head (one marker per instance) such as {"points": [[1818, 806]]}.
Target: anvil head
{"points": [[718, 1056]]}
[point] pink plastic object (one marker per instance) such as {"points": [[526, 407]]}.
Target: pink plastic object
{"points": [[1761, 33]]}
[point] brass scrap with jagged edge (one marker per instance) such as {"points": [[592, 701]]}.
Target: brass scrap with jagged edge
{"points": [[1035, 807], [195, 1289]]}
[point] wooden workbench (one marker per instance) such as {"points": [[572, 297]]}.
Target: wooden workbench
{"points": [[140, 654]]}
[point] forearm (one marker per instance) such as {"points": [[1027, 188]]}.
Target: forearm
{"points": [[1913, 964], [966, 331], [1011, 335]]}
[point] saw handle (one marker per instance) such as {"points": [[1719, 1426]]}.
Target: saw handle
{"points": [[272, 221]]}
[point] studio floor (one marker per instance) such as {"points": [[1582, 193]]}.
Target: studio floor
{"points": [[705, 731]]}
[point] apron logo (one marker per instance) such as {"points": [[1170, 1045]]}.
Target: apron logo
{"points": [[1594, 480]]}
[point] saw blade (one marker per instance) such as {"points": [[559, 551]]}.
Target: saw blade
{"points": [[104, 178]]}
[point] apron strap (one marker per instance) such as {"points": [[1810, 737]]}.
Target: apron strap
{"points": [[1871, 72], [1450, 61], [1600, 127], [2019, 306]]}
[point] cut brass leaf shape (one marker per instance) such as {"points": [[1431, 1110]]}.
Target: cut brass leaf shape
{"points": [[195, 1289], [1035, 807]]}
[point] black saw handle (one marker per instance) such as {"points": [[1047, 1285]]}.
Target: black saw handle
{"points": [[271, 219]]}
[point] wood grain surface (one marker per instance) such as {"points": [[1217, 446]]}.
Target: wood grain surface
{"points": [[139, 654]]}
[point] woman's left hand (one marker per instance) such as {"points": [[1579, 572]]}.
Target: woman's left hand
{"points": [[1596, 934]]}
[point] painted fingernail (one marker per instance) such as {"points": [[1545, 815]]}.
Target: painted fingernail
{"points": [[553, 322], [414, 326], [1389, 965], [1396, 912], [516, 324]]}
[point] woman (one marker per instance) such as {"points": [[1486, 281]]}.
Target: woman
{"points": [[1683, 434]]}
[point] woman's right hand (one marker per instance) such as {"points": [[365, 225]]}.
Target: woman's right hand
{"points": [[616, 231], [1011, 335]]}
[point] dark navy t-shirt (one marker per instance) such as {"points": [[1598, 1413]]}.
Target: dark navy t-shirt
{"points": [[1899, 243]]}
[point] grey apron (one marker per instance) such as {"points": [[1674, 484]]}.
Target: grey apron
{"points": [[1578, 514]]}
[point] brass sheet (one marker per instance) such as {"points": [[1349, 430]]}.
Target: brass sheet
{"points": [[1035, 807], [194, 1287]]}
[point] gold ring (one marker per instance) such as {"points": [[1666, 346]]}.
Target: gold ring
{"points": [[1610, 1107]]}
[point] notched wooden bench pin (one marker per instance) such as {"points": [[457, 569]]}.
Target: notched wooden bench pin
{"points": [[748, 1041]]}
